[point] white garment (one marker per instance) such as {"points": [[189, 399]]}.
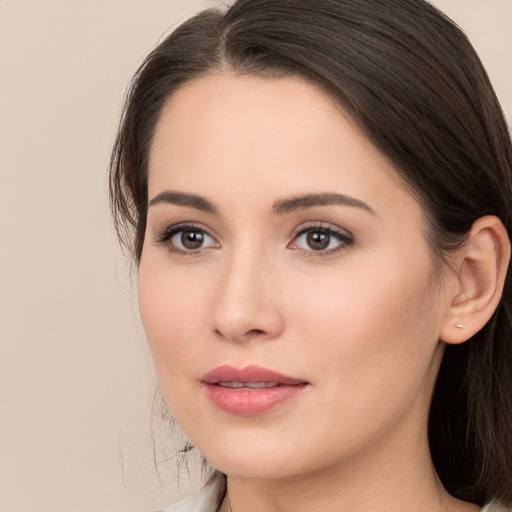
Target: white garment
{"points": [[492, 507], [206, 500]]}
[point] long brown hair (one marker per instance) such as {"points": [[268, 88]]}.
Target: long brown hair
{"points": [[411, 80]]}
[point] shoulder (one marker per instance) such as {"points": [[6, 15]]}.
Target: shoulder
{"points": [[495, 506], [206, 499]]}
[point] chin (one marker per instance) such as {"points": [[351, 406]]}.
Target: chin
{"points": [[272, 459], [257, 468]]}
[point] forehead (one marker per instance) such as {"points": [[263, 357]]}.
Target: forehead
{"points": [[240, 137]]}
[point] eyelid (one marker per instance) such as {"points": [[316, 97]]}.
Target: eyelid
{"points": [[164, 236], [345, 237]]}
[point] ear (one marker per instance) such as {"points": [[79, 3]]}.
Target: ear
{"points": [[479, 280]]}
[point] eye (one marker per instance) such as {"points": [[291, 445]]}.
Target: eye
{"points": [[321, 239], [186, 239], [191, 239]]}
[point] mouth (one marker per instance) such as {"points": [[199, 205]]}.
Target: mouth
{"points": [[248, 385], [250, 390]]}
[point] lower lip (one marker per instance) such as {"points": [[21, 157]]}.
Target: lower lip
{"points": [[249, 402]]}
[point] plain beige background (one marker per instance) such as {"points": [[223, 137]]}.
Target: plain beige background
{"points": [[76, 382]]}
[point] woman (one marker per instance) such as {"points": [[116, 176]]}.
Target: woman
{"points": [[316, 195]]}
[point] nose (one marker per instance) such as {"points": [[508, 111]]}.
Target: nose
{"points": [[246, 305]]}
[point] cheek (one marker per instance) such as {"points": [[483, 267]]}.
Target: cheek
{"points": [[170, 309], [169, 306], [370, 340], [369, 322]]}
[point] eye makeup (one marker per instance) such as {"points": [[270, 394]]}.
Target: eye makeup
{"points": [[316, 239], [186, 239], [320, 239]]}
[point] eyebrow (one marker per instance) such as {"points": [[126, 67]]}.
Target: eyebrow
{"points": [[311, 200], [184, 199], [281, 207]]}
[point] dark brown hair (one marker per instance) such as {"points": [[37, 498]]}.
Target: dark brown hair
{"points": [[411, 80]]}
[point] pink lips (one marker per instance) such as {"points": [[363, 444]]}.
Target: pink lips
{"points": [[250, 390]]}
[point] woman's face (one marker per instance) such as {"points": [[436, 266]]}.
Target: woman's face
{"points": [[279, 240]]}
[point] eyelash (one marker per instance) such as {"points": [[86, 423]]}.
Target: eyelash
{"points": [[344, 237], [164, 238]]}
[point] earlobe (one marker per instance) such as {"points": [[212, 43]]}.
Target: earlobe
{"points": [[480, 279]]}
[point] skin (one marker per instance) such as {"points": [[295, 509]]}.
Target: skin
{"points": [[361, 324]]}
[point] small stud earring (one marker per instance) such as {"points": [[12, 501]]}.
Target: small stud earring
{"points": [[459, 326]]}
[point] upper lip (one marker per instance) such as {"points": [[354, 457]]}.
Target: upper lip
{"points": [[250, 373]]}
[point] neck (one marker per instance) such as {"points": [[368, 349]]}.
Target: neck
{"points": [[387, 478]]}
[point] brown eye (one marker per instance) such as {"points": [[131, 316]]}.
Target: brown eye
{"points": [[321, 240], [318, 240], [192, 239], [186, 239]]}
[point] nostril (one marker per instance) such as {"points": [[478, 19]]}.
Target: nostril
{"points": [[244, 336], [255, 331]]}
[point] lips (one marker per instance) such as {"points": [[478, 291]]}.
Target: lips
{"points": [[250, 390]]}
